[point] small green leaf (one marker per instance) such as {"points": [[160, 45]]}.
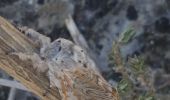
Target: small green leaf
{"points": [[149, 98], [146, 97], [137, 63], [127, 36], [123, 85]]}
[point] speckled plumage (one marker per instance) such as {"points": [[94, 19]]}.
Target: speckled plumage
{"points": [[69, 69]]}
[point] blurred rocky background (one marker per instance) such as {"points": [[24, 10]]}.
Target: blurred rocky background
{"points": [[101, 22]]}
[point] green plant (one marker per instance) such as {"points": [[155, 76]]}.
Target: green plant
{"points": [[135, 74]]}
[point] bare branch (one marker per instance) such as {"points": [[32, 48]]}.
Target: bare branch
{"points": [[12, 94], [75, 33], [13, 41]]}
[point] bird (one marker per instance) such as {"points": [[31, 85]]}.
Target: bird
{"points": [[69, 69]]}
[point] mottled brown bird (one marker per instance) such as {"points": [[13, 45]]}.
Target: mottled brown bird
{"points": [[69, 69]]}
